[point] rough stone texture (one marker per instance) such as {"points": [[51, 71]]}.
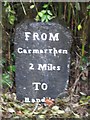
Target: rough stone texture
{"points": [[56, 80]]}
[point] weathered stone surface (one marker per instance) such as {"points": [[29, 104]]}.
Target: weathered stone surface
{"points": [[42, 61]]}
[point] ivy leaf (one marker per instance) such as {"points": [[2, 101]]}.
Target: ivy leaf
{"points": [[49, 17], [8, 9], [12, 68], [11, 19], [37, 18], [79, 27], [43, 18], [6, 80], [47, 20], [45, 6], [49, 12], [40, 14], [43, 11], [32, 6]]}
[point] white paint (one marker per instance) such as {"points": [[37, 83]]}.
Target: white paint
{"points": [[53, 37], [38, 85], [27, 35], [27, 99], [43, 36]]}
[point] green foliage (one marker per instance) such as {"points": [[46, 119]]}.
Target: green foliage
{"points": [[32, 6], [6, 81], [76, 16], [7, 76], [10, 13], [88, 9], [79, 27], [45, 14], [85, 99], [11, 19], [11, 68], [13, 109]]}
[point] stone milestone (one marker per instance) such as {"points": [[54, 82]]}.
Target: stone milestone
{"points": [[42, 60]]}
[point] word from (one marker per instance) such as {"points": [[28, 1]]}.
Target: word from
{"points": [[43, 36]]}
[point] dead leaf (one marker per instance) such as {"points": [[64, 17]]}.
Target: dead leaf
{"points": [[11, 110], [49, 102]]}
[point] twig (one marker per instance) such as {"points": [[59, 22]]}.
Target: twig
{"points": [[75, 83], [36, 106], [23, 8], [4, 29], [35, 6]]}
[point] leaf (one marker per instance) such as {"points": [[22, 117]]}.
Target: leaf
{"points": [[77, 6], [49, 12], [43, 11], [60, 111], [6, 80], [3, 60], [84, 59], [11, 19], [5, 3], [49, 102], [49, 17], [16, 117], [26, 112], [45, 5], [32, 6], [76, 115], [88, 7], [44, 112], [40, 14], [41, 116], [88, 98], [37, 18], [46, 20], [43, 18], [11, 110], [55, 108], [79, 27], [67, 110], [8, 9], [12, 68], [5, 76]]}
